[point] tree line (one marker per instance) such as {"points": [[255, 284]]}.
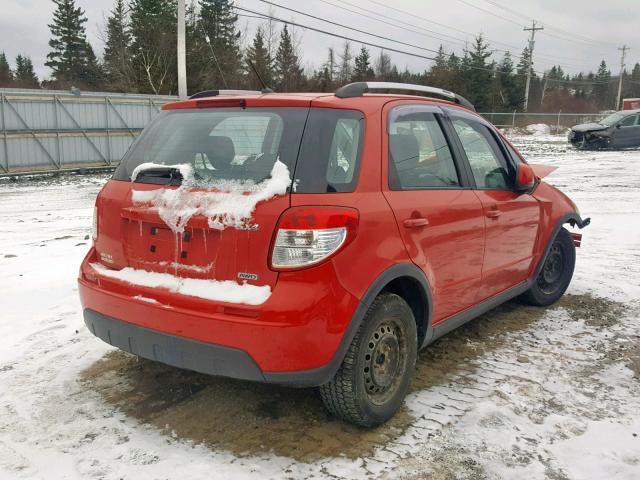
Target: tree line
{"points": [[140, 57]]}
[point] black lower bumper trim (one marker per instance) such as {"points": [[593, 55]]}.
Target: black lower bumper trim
{"points": [[173, 350]]}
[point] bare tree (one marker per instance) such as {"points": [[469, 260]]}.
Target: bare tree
{"points": [[346, 65]]}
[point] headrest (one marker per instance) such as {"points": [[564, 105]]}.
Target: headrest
{"points": [[220, 151], [404, 151]]}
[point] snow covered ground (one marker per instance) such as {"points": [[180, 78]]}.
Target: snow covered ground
{"points": [[520, 393]]}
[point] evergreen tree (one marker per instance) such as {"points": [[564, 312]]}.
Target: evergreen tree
{"points": [[289, 75], [153, 25], [442, 72], [117, 60], [477, 72], [6, 75], [634, 87], [217, 48], [441, 58], [511, 95], [25, 76], [601, 88], [362, 70], [71, 57], [258, 55]]}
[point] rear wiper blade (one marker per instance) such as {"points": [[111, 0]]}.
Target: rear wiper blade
{"points": [[164, 175]]}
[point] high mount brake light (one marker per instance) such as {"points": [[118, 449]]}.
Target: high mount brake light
{"points": [[221, 102], [307, 236]]}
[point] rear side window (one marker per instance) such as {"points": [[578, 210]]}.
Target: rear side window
{"points": [[485, 157], [419, 156], [630, 121], [219, 143], [330, 153]]}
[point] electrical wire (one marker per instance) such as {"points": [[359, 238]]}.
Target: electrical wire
{"points": [[349, 28], [547, 58], [395, 50]]}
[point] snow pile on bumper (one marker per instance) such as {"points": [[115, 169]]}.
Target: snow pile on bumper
{"points": [[215, 290]]}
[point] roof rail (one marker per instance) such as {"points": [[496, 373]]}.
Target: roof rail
{"points": [[358, 89], [216, 93]]}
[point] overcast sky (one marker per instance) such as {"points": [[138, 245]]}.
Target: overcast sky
{"points": [[577, 35]]}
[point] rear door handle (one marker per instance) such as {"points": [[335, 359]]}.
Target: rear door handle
{"points": [[416, 222]]}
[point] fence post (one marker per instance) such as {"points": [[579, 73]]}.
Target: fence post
{"points": [[558, 125], [4, 131], [513, 120], [106, 121], [56, 125]]}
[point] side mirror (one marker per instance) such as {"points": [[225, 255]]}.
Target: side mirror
{"points": [[525, 178], [619, 125]]}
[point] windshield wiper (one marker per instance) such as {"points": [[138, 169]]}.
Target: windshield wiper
{"points": [[162, 176]]}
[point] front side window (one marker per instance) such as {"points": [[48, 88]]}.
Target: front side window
{"points": [[484, 155], [419, 156], [612, 119]]}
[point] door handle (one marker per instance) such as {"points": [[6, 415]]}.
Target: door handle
{"points": [[494, 212], [416, 222]]}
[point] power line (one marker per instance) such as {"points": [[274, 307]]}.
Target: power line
{"points": [[349, 28], [344, 37], [395, 50], [550, 59], [547, 25], [490, 12], [558, 37]]}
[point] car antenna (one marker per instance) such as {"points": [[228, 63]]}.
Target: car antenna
{"points": [[265, 89]]}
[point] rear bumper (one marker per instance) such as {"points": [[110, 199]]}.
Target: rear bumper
{"points": [[296, 337], [172, 350]]}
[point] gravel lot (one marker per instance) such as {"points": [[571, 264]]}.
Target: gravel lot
{"points": [[521, 392]]}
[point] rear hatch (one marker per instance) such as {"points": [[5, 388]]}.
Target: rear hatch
{"points": [[200, 193]]}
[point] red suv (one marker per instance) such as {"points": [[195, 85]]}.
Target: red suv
{"points": [[319, 239]]}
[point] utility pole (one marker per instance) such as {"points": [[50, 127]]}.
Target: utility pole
{"points": [[624, 50], [532, 42], [182, 60]]}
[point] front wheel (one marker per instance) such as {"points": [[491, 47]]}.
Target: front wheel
{"points": [[556, 273], [375, 375]]}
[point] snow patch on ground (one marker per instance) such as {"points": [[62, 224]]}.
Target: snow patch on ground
{"points": [[230, 204], [538, 129], [553, 398], [215, 290]]}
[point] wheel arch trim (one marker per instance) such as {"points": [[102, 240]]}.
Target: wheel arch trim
{"points": [[572, 218], [321, 375]]}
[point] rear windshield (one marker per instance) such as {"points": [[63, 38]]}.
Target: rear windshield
{"points": [[244, 144]]}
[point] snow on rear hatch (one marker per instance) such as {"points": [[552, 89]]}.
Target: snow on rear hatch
{"points": [[230, 204]]}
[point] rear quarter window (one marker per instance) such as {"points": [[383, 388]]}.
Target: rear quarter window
{"points": [[329, 159]]}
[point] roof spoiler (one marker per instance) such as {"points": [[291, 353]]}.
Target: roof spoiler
{"points": [[358, 89], [217, 93]]}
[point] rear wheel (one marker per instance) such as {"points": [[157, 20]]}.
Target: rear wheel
{"points": [[375, 375], [556, 273]]}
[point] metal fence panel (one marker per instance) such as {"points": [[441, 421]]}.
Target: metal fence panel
{"points": [[558, 122], [50, 130]]}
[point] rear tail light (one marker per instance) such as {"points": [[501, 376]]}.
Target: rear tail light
{"points": [[309, 235], [94, 226]]}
